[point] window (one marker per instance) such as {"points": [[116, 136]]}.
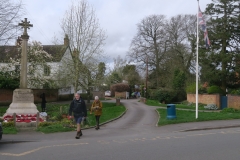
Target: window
{"points": [[47, 70]]}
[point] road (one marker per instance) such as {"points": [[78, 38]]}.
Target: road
{"points": [[134, 136]]}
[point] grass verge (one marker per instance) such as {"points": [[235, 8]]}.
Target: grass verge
{"points": [[10, 130], [110, 111], [182, 106], [189, 116], [58, 124]]}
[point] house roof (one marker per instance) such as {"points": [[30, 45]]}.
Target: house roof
{"points": [[6, 52], [56, 51]]}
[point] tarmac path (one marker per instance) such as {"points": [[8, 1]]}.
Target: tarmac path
{"points": [[133, 136]]}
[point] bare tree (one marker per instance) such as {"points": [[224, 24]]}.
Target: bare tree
{"points": [[167, 44], [181, 30], [9, 17], [86, 40], [150, 42]]}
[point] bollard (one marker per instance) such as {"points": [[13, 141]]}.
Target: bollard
{"points": [[118, 102]]}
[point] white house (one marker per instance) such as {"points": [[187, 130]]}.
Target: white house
{"points": [[52, 68]]}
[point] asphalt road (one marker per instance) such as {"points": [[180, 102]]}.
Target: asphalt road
{"points": [[134, 136]]}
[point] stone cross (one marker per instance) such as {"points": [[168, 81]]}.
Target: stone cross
{"points": [[23, 72], [25, 25]]}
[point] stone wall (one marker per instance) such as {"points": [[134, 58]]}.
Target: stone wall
{"points": [[234, 101], [205, 99]]}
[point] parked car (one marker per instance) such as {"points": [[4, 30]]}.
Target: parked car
{"points": [[107, 93], [1, 131]]}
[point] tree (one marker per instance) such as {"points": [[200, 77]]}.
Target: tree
{"points": [[180, 31], [10, 13], [37, 61], [100, 76], [86, 42], [131, 74], [150, 42], [168, 44], [221, 61]]}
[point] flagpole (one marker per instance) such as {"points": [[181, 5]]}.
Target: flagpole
{"points": [[197, 64]]}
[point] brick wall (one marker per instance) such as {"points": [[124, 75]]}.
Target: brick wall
{"points": [[205, 99], [51, 95], [233, 101], [6, 96]]}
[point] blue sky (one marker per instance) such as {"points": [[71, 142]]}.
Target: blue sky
{"points": [[117, 17]]}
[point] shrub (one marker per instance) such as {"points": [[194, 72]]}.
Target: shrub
{"points": [[119, 87], [215, 89], [191, 88], [8, 124], [8, 82], [202, 90], [44, 124], [163, 95], [235, 91], [180, 95]]}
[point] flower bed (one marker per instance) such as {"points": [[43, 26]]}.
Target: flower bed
{"points": [[23, 118]]}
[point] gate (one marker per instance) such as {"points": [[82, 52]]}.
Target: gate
{"points": [[223, 102]]}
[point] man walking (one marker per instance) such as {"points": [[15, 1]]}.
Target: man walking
{"points": [[78, 107]]}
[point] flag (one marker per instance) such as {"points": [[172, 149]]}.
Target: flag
{"points": [[203, 27]]}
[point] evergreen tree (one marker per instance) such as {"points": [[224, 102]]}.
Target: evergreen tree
{"points": [[219, 63]]}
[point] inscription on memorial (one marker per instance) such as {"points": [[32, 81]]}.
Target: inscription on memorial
{"points": [[22, 96]]}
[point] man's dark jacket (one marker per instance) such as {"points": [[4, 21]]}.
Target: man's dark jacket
{"points": [[78, 107]]}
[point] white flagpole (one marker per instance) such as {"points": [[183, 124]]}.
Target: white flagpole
{"points": [[197, 64]]}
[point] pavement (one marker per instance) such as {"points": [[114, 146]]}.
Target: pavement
{"points": [[182, 127]]}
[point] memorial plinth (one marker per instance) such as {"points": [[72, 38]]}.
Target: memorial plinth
{"points": [[22, 103]]}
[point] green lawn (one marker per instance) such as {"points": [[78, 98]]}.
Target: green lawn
{"points": [[110, 111], [190, 116], [183, 106]]}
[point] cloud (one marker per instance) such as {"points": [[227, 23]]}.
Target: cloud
{"points": [[117, 17]]}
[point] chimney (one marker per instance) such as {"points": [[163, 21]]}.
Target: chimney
{"points": [[18, 42], [66, 40]]}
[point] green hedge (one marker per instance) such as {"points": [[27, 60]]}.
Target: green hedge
{"points": [[163, 95], [215, 89]]}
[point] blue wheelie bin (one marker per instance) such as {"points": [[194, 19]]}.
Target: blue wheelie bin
{"points": [[171, 111]]}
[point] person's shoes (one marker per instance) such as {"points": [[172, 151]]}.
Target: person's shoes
{"points": [[78, 135], [97, 128]]}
